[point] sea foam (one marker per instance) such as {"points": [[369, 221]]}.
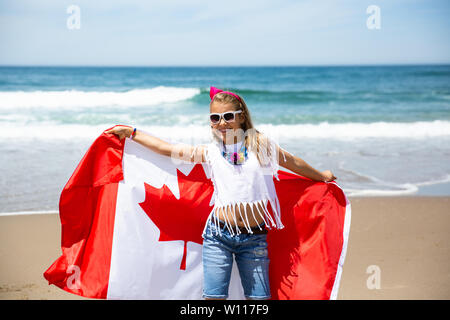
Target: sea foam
{"points": [[86, 99], [192, 133]]}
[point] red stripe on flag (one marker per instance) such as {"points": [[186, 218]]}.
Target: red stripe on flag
{"points": [[304, 256], [87, 210]]}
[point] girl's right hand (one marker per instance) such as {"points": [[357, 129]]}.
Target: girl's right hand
{"points": [[121, 131]]}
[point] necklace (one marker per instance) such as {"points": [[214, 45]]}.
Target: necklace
{"points": [[235, 157]]}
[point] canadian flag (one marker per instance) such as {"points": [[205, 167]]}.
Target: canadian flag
{"points": [[132, 221]]}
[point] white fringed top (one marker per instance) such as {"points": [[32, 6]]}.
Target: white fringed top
{"points": [[249, 183]]}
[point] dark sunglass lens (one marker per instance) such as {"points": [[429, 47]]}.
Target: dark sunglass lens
{"points": [[214, 118], [228, 116]]}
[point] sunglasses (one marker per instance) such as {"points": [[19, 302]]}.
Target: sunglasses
{"points": [[227, 116]]}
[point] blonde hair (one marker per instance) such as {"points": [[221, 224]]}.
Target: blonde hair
{"points": [[254, 140]]}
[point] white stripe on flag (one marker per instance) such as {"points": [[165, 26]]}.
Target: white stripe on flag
{"points": [[141, 266]]}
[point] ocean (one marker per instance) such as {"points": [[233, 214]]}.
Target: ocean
{"points": [[382, 130]]}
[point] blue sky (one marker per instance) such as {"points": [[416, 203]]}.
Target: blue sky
{"points": [[206, 33]]}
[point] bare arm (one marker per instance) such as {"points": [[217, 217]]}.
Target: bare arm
{"points": [[299, 166], [178, 151]]}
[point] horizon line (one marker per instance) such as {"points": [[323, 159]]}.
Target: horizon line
{"points": [[227, 66]]}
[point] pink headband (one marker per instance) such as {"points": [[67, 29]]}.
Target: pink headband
{"points": [[213, 91]]}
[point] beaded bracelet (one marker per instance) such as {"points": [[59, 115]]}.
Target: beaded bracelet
{"points": [[133, 134]]}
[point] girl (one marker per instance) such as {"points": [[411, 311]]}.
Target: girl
{"points": [[242, 163]]}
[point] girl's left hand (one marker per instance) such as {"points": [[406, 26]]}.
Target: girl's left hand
{"points": [[328, 176]]}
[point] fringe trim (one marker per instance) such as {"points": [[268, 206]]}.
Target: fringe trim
{"points": [[257, 208]]}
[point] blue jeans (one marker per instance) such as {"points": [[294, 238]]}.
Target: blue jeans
{"points": [[251, 256]]}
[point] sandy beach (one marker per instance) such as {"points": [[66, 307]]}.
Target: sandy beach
{"points": [[404, 239]]}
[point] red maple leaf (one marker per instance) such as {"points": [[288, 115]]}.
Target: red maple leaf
{"points": [[184, 218]]}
